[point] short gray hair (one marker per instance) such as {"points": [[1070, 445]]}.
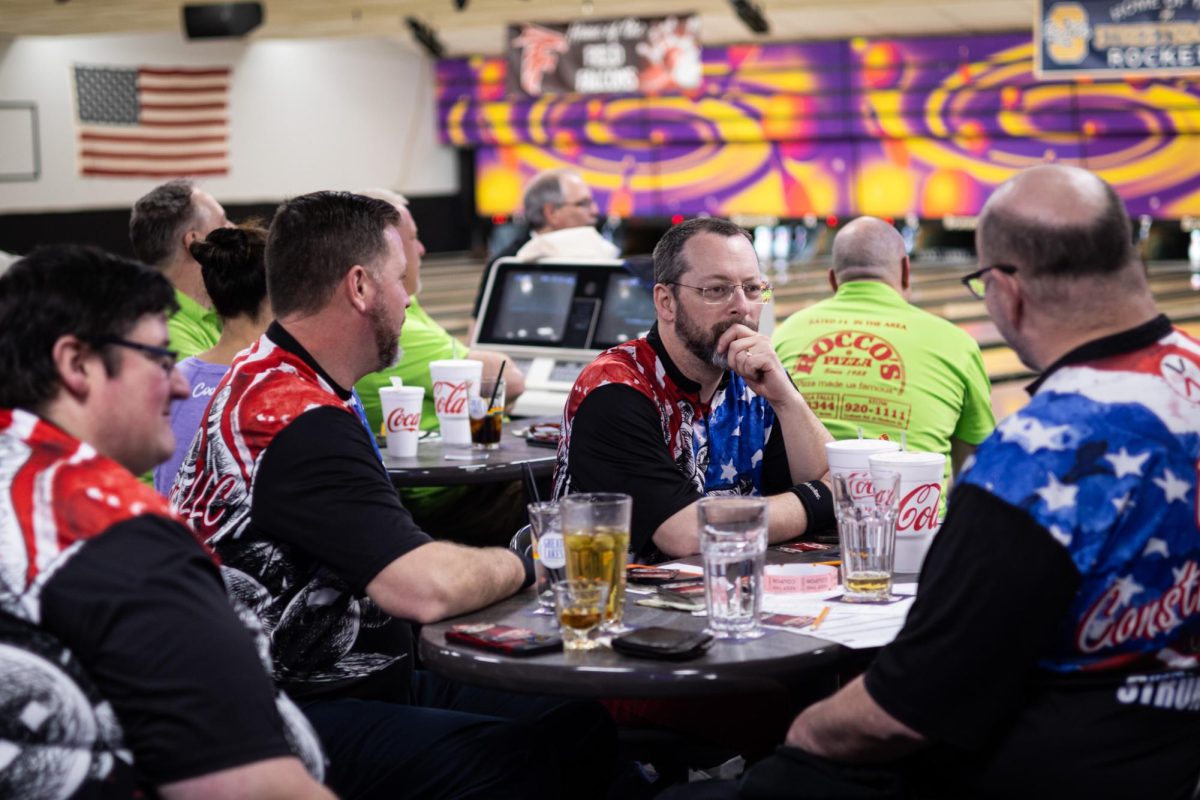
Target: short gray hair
{"points": [[546, 187]]}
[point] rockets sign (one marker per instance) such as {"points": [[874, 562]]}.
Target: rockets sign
{"points": [[627, 55], [1117, 38]]}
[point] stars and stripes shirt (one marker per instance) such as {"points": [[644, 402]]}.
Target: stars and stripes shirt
{"points": [[634, 423], [1053, 645], [1105, 458]]}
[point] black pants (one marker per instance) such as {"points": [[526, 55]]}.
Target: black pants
{"points": [[458, 741]]}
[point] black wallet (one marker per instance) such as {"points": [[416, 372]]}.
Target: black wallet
{"points": [[664, 643]]}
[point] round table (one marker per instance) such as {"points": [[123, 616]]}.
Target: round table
{"points": [[439, 464]]}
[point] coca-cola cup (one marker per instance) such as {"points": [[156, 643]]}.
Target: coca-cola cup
{"points": [[920, 497], [401, 407], [849, 459], [454, 381]]}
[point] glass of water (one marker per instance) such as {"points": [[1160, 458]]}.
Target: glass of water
{"points": [[733, 544]]}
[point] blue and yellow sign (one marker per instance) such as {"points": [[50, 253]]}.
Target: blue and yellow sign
{"points": [[1117, 38]]}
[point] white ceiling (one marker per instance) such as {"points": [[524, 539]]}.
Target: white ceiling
{"points": [[480, 28]]}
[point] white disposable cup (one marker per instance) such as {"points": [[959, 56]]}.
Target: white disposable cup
{"points": [[401, 406], [920, 498], [454, 381], [850, 458]]}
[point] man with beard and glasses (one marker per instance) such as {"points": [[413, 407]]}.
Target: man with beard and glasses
{"points": [[286, 484], [700, 406]]}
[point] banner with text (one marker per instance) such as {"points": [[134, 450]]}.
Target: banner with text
{"points": [[1117, 38], [631, 54]]}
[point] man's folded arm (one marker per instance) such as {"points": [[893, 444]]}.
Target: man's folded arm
{"points": [[443, 579]]}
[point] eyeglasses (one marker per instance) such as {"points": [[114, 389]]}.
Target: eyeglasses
{"points": [[974, 281], [721, 293], [162, 356], [586, 202]]}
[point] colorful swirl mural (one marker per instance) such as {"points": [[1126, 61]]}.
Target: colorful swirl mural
{"points": [[885, 127]]}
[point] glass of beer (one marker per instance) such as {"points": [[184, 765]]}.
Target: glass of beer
{"points": [[580, 605], [486, 411], [867, 534], [596, 540]]}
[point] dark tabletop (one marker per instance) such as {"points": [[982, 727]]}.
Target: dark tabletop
{"points": [[431, 467], [774, 661]]}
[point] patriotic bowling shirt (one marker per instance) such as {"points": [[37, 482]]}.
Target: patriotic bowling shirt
{"points": [[634, 423], [1056, 633], [122, 664], [288, 488]]}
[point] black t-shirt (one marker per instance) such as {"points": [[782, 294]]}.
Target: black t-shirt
{"points": [[325, 520], [617, 446], [963, 672], [143, 610]]}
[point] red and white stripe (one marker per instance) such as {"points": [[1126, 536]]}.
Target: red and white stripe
{"points": [[183, 128]]}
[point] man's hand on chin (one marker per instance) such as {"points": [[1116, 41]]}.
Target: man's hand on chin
{"points": [[751, 356]]}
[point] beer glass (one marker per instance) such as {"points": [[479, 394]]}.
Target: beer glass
{"points": [[596, 540], [549, 560], [867, 534], [733, 544], [580, 605]]}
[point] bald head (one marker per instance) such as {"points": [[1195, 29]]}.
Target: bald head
{"points": [[869, 249], [1054, 222]]}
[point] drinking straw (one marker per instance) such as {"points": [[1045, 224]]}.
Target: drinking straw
{"points": [[820, 618], [903, 441], [496, 386], [860, 434], [531, 490]]}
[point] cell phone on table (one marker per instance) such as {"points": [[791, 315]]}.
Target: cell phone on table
{"points": [[506, 639]]}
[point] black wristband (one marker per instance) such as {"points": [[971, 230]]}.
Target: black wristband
{"points": [[530, 574], [817, 499]]}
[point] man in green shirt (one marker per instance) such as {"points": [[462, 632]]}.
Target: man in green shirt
{"points": [[162, 227], [868, 358], [493, 513]]}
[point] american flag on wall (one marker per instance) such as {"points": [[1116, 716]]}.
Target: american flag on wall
{"points": [[152, 121]]}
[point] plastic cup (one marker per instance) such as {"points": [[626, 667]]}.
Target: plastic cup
{"points": [[401, 406], [849, 458], [920, 497], [454, 381], [867, 535], [733, 545]]}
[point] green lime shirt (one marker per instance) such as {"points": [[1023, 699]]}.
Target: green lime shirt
{"points": [[867, 357], [421, 340], [192, 329]]}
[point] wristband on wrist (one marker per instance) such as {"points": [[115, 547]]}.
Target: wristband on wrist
{"points": [[530, 575], [817, 499]]}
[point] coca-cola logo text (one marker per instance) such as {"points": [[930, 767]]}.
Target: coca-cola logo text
{"points": [[450, 398], [919, 508], [399, 421]]}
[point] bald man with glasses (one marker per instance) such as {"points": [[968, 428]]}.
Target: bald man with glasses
{"points": [[699, 406]]}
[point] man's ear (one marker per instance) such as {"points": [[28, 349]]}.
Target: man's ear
{"points": [[72, 361], [833, 284], [358, 287], [905, 273], [1009, 297], [664, 303]]}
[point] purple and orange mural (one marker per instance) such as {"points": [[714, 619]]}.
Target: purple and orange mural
{"points": [[883, 127]]}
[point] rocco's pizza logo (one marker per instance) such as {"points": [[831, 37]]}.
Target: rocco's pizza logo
{"points": [[852, 353], [1066, 32]]}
